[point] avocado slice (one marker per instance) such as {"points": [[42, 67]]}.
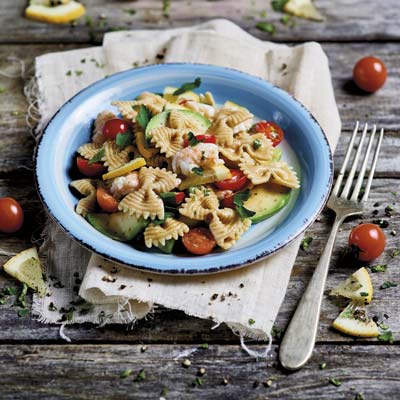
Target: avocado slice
{"points": [[118, 226], [277, 154], [167, 247], [266, 200]]}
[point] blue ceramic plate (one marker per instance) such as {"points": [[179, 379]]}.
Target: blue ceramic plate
{"points": [[305, 147]]}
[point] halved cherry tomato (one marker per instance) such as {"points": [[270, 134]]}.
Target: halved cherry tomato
{"points": [[106, 201], [271, 130], [369, 74], [202, 139], [199, 241], [369, 240], [87, 169], [227, 201], [237, 182], [11, 215], [114, 126]]}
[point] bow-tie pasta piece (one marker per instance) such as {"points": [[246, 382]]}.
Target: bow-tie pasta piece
{"points": [[227, 227], [127, 109], [101, 119], [257, 146], [159, 234], [200, 204], [86, 188], [158, 180], [232, 154], [89, 150], [168, 140], [184, 121], [114, 156], [238, 119], [222, 132], [160, 161]]}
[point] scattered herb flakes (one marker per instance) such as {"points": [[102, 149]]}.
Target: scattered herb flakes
{"points": [[198, 171], [89, 21], [52, 307], [141, 376], [386, 337], [378, 268], [266, 27], [129, 11], [263, 14], [277, 5], [256, 144], [251, 321], [23, 312], [204, 346], [2, 89], [197, 381], [192, 139], [395, 253], [98, 156], [238, 199], [381, 223], [166, 7], [383, 326], [123, 140], [68, 73], [387, 285], [78, 72], [288, 21], [276, 332], [394, 193], [21, 299], [164, 392], [364, 294], [335, 381], [305, 243], [322, 365], [124, 374], [143, 117], [186, 87], [83, 60], [359, 396]]}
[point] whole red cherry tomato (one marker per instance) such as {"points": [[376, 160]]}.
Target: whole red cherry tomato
{"points": [[236, 182], [106, 201], [88, 169], [271, 130], [11, 215], [199, 241], [369, 240], [114, 126], [369, 74]]}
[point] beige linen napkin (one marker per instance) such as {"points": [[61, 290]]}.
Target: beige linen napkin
{"points": [[122, 294]]}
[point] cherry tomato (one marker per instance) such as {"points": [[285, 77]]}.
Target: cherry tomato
{"points": [[369, 74], [106, 201], [114, 126], [227, 201], [369, 239], [236, 182], [271, 130], [11, 215], [87, 169], [202, 139], [179, 197], [199, 241]]}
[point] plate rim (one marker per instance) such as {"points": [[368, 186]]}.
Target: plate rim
{"points": [[201, 270]]}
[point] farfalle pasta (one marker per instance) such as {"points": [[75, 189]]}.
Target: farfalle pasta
{"points": [[178, 167]]}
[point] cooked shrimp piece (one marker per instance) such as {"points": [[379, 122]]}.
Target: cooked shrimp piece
{"points": [[123, 185], [221, 194], [203, 155], [205, 109]]}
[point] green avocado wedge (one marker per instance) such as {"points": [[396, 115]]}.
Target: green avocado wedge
{"points": [[167, 247], [118, 226], [266, 200]]}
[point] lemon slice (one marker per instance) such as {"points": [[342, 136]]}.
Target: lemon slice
{"points": [[26, 267], [354, 321], [303, 9], [128, 167], [357, 287], [59, 14]]}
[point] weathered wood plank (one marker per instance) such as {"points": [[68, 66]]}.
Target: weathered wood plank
{"points": [[346, 20], [93, 371], [173, 326]]}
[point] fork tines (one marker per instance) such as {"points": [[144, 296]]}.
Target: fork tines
{"points": [[349, 182]]}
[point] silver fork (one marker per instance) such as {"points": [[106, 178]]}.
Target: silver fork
{"points": [[298, 342]]}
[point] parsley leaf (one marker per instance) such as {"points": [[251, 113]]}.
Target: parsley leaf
{"points": [[251, 321], [143, 117], [192, 139], [23, 312], [98, 156], [123, 139], [186, 87], [335, 381], [378, 268], [238, 199], [126, 373], [364, 294], [305, 243], [387, 285], [386, 337], [395, 253], [141, 376], [277, 5], [198, 171], [256, 144], [266, 27]]}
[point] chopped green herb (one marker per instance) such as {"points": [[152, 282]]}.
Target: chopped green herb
{"points": [[386, 337], [266, 27], [378, 268], [381, 223], [204, 346], [238, 199], [395, 253], [276, 332], [125, 373], [387, 285], [23, 312], [288, 21], [123, 139], [394, 193], [364, 294], [198, 171], [141, 376], [166, 8], [359, 396], [256, 144], [78, 73], [322, 365], [193, 141], [251, 321], [98, 156], [263, 14], [277, 5], [383, 326], [9, 291], [2, 89], [335, 381], [164, 392], [21, 299], [83, 60], [197, 382], [186, 87], [68, 73], [129, 11], [161, 221], [305, 243], [144, 116]]}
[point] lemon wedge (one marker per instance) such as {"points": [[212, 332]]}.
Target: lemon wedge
{"points": [[124, 169], [26, 267], [354, 321], [62, 13], [357, 287], [303, 9]]}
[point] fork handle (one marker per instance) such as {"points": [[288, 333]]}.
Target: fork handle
{"points": [[298, 343]]}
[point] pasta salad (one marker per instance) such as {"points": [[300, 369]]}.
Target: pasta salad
{"points": [[176, 172]]}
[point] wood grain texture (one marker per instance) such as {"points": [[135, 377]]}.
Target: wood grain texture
{"points": [[93, 371], [347, 20]]}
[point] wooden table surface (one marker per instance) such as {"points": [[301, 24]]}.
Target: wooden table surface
{"points": [[36, 364]]}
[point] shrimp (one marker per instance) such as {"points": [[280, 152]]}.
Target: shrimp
{"points": [[205, 109], [123, 185], [203, 155]]}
